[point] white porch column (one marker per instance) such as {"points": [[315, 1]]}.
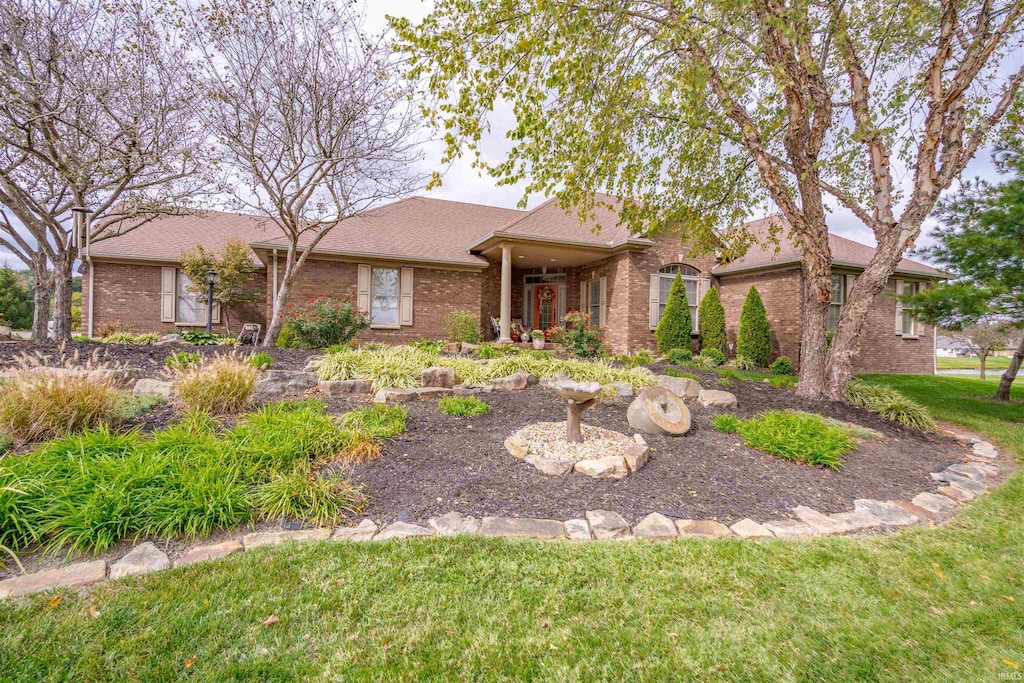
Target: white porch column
{"points": [[506, 294]]}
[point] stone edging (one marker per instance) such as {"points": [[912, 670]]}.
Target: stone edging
{"points": [[960, 483]]}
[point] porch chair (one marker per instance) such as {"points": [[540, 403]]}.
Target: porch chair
{"points": [[250, 334]]}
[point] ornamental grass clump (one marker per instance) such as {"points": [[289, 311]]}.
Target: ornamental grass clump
{"points": [[462, 406], [182, 360], [40, 403], [792, 435], [321, 498], [891, 405], [222, 384], [380, 421]]}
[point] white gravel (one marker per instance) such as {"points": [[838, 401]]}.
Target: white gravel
{"points": [[547, 439]]}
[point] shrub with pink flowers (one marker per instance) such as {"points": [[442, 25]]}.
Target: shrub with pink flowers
{"points": [[581, 338], [325, 321]]}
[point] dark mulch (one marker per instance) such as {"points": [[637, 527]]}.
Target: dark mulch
{"points": [[145, 357], [444, 463]]}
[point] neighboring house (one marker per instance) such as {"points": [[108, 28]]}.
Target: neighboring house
{"points": [[950, 347], [410, 262]]}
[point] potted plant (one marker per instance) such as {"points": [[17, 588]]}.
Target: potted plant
{"points": [[538, 339]]}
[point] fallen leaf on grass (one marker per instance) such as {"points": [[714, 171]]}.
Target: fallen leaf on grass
{"points": [[936, 611], [54, 601], [1012, 662], [939, 574], [271, 620], [1009, 598], [190, 661], [720, 667], [93, 612], [340, 582]]}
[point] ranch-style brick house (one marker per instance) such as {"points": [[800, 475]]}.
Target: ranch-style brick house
{"points": [[410, 262]]}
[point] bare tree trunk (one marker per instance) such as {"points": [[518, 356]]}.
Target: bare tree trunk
{"points": [[41, 290], [982, 357], [284, 291], [62, 296], [1006, 381], [816, 282]]}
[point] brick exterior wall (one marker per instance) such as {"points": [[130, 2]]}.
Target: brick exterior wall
{"points": [[128, 295], [882, 350], [780, 292]]}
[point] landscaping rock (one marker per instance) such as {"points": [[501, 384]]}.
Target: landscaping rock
{"points": [[550, 466], [403, 530], [578, 530], [683, 387], [283, 382], [313, 363], [472, 389], [957, 494], [516, 446], [172, 338], [452, 348], [656, 526], [345, 386], [208, 552], [821, 522], [636, 456], [748, 528], [514, 382], [438, 376], [608, 526], [404, 395], [364, 531], [702, 528], [934, 502], [261, 538], [888, 513], [611, 467], [657, 410], [970, 471], [522, 527], [79, 574], [857, 521], [152, 387], [954, 479], [454, 523], [5, 333], [142, 559], [984, 449], [713, 398], [791, 529], [470, 348], [622, 389]]}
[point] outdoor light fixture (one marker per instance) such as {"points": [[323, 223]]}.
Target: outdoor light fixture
{"points": [[211, 280]]}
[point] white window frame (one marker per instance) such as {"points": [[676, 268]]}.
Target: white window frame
{"points": [[398, 299], [904, 314], [837, 304], [668, 272]]}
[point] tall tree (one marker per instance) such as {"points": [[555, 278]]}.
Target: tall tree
{"points": [[97, 112], [701, 109], [15, 300], [983, 339], [313, 116]]}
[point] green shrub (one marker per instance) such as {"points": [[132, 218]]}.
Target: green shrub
{"points": [[743, 363], [729, 424], [260, 360], [302, 494], [891, 405], [462, 406], [716, 356], [703, 362], [337, 348], [428, 346], [787, 382], [712, 322], [781, 366], [326, 321], [797, 436], [462, 326], [182, 360], [672, 372], [16, 301], [200, 337], [287, 339], [755, 335], [642, 357], [381, 421], [679, 356], [223, 384], [39, 404], [582, 339], [675, 327]]}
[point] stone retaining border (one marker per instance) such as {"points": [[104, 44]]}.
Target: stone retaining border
{"points": [[962, 482]]}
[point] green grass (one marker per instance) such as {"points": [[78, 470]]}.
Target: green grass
{"points": [[960, 363], [791, 435], [922, 605], [462, 406]]}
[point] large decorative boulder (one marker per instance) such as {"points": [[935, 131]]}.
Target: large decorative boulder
{"points": [[680, 386], [281, 382], [438, 376], [657, 410], [515, 382], [713, 398], [152, 387], [172, 338]]}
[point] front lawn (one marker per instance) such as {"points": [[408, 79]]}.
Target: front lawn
{"points": [[962, 363], [941, 604]]}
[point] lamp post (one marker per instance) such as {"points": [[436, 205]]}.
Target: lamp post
{"points": [[211, 280]]}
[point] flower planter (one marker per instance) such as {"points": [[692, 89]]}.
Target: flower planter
{"points": [[538, 343]]}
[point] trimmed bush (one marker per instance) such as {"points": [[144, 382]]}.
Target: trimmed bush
{"points": [[795, 436], [712, 322], [223, 384], [755, 335], [891, 405], [462, 326], [781, 366], [679, 356], [40, 404], [462, 406], [675, 327], [325, 321]]}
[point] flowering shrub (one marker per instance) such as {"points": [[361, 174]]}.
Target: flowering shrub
{"points": [[581, 338], [325, 321], [555, 335]]}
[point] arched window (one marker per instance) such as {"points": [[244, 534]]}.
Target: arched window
{"points": [[691, 279]]}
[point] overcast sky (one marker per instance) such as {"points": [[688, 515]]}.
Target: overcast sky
{"points": [[463, 183]]}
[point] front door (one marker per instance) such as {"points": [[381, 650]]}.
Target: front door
{"points": [[545, 306]]}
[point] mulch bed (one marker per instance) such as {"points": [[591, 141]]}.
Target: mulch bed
{"points": [[444, 463], [146, 357]]}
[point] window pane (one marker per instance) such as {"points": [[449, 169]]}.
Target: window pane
{"points": [[384, 296], [187, 309], [681, 268], [691, 290], [833, 316], [665, 289], [837, 289]]}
